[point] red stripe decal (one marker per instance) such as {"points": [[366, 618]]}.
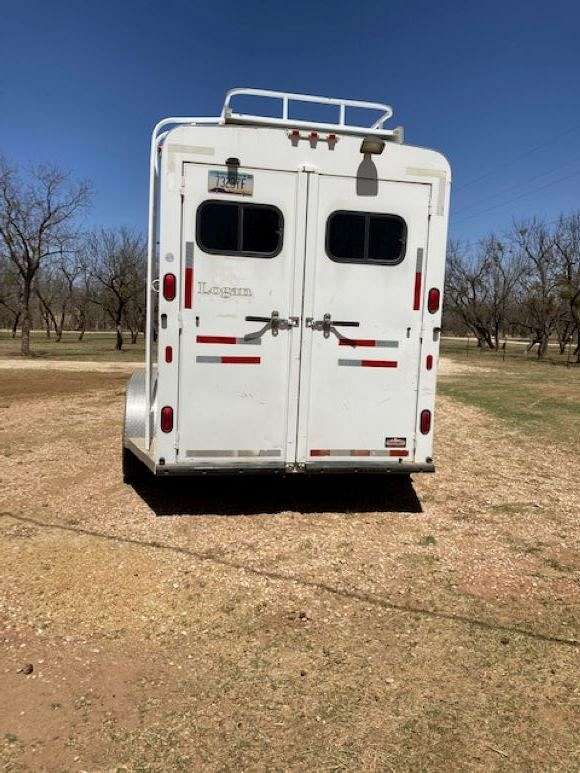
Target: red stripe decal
{"points": [[215, 340], [417, 292], [360, 453], [398, 453], [357, 342], [378, 363], [188, 288], [240, 360], [320, 452]]}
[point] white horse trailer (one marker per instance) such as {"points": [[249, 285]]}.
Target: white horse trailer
{"points": [[295, 275]]}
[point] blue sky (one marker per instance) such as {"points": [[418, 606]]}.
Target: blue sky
{"points": [[494, 85]]}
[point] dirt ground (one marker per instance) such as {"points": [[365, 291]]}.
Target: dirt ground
{"points": [[331, 624]]}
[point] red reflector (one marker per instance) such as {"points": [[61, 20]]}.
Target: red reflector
{"points": [[425, 423], [188, 288], [417, 292], [429, 362], [378, 363], [169, 287], [216, 340], [357, 342], [240, 360], [168, 354], [433, 300], [166, 418]]}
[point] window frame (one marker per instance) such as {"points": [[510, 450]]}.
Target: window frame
{"points": [[366, 261], [241, 205]]}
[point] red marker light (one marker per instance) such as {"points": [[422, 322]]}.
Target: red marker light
{"points": [[429, 361], [168, 354], [166, 418], [169, 287], [425, 423], [433, 300], [313, 136]]}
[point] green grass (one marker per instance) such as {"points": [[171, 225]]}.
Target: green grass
{"points": [[537, 398], [94, 346]]}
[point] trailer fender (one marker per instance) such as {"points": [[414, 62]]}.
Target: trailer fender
{"points": [[135, 407]]}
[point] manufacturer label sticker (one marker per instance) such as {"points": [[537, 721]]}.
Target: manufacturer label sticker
{"points": [[230, 182], [395, 442]]}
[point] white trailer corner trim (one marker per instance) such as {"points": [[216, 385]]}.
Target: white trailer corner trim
{"points": [[294, 289]]}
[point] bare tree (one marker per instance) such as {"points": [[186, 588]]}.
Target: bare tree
{"points": [[10, 294], [115, 260], [56, 288], [567, 247], [37, 219], [540, 306], [479, 287]]}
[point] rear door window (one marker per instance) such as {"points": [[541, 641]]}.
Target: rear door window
{"points": [[365, 237], [229, 228]]}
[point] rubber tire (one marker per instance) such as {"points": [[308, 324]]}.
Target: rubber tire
{"points": [[133, 469]]}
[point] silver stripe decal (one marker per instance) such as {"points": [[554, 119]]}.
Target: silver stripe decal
{"points": [[388, 344], [419, 265], [351, 363], [234, 454], [189, 254], [205, 358]]}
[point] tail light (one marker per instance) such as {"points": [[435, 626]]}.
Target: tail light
{"points": [[425, 423], [433, 300], [169, 287], [166, 418]]}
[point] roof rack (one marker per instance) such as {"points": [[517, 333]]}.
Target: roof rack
{"points": [[229, 116]]}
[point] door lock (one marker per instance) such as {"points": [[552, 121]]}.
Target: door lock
{"points": [[274, 323]]}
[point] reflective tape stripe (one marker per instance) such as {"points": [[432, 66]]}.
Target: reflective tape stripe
{"points": [[188, 284], [369, 363], [227, 340], [357, 452], [418, 277], [368, 342], [229, 360], [236, 454]]}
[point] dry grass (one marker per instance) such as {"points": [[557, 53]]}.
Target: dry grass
{"points": [[327, 624]]}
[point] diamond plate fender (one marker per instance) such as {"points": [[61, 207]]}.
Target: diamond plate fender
{"points": [[135, 409]]}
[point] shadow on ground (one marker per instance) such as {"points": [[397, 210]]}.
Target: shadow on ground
{"points": [[270, 494]]}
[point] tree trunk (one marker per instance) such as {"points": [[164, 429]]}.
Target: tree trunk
{"points": [[26, 317], [119, 341], [134, 336], [15, 324], [542, 347]]}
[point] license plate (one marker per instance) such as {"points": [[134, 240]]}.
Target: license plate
{"points": [[230, 182]]}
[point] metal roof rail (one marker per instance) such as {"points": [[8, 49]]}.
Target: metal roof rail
{"points": [[376, 129]]}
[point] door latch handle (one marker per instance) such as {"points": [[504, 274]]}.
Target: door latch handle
{"points": [[328, 325], [274, 323]]}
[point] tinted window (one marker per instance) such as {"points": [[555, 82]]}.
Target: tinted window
{"points": [[261, 229], [346, 235], [230, 228], [366, 237]]}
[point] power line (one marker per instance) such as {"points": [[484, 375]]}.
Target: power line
{"points": [[512, 188], [525, 154], [521, 196]]}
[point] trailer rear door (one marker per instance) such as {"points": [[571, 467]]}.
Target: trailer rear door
{"points": [[365, 254], [238, 271]]}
